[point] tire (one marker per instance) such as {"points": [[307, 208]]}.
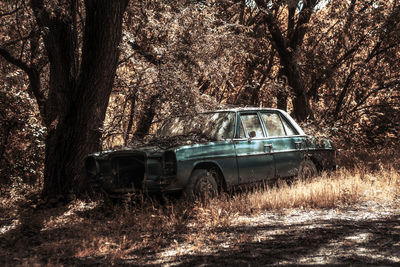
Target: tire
{"points": [[201, 186], [307, 170]]}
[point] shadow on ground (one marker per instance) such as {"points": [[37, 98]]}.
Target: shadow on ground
{"points": [[319, 242], [22, 240], [336, 241]]}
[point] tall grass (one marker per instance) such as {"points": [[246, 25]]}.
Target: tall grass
{"points": [[152, 227], [91, 230], [328, 190]]}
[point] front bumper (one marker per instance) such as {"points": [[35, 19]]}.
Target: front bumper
{"points": [[150, 185]]}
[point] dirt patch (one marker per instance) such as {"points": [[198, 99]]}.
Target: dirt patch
{"points": [[367, 233], [89, 234]]}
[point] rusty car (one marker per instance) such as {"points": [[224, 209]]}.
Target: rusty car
{"points": [[210, 152]]}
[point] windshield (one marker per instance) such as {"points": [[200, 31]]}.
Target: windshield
{"points": [[214, 126]]}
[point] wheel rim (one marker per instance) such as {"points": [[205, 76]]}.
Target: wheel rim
{"points": [[205, 188], [307, 172]]}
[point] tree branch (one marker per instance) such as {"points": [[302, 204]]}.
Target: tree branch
{"points": [[304, 17], [148, 56], [15, 61], [13, 42], [372, 92], [10, 12], [33, 75]]}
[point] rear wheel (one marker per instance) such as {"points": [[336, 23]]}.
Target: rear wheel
{"points": [[202, 185], [307, 170]]}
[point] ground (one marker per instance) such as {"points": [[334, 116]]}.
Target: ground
{"points": [[363, 234], [90, 233]]}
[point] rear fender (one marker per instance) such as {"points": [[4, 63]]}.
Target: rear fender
{"points": [[322, 158]]}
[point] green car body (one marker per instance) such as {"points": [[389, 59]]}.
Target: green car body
{"points": [[243, 146]]}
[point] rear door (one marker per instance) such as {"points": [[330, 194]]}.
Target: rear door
{"points": [[254, 157], [287, 144]]}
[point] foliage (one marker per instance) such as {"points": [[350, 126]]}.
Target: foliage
{"points": [[170, 52], [337, 62], [343, 62], [79, 43], [21, 132]]}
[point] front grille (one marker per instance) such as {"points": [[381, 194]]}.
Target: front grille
{"points": [[128, 172]]}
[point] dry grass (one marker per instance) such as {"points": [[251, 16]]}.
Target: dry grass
{"points": [[328, 190], [94, 233]]}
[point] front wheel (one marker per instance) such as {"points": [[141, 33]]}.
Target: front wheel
{"points": [[202, 185], [307, 170]]}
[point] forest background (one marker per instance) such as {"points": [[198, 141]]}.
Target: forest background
{"points": [[80, 76]]}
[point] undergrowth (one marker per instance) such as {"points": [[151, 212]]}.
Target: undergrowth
{"points": [[92, 232]]}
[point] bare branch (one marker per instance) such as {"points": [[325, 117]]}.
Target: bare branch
{"points": [[13, 42], [15, 61], [126, 59], [33, 75], [10, 12], [148, 56]]}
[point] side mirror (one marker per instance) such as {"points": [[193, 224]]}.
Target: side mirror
{"points": [[252, 134]]}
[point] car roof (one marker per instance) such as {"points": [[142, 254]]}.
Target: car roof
{"points": [[243, 109]]}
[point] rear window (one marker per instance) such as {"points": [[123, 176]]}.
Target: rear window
{"points": [[276, 125]]}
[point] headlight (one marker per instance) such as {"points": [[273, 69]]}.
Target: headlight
{"points": [[169, 163], [91, 165]]}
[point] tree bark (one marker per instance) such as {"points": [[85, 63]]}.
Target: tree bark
{"points": [[292, 71], [78, 99], [132, 100], [144, 124], [287, 47], [281, 102]]}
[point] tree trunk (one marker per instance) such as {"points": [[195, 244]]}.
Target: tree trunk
{"points": [[287, 48], [144, 124], [79, 99], [281, 98], [295, 80], [132, 100]]}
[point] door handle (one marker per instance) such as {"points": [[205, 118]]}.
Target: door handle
{"points": [[269, 146], [298, 144]]}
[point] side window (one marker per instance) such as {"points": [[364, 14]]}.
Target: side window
{"points": [[252, 123], [241, 132], [288, 128], [273, 124]]}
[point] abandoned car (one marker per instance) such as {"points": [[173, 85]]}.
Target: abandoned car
{"points": [[209, 152]]}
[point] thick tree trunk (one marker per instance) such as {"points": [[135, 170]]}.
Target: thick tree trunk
{"points": [[281, 98], [295, 80], [287, 47], [83, 95], [291, 70], [301, 105]]}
